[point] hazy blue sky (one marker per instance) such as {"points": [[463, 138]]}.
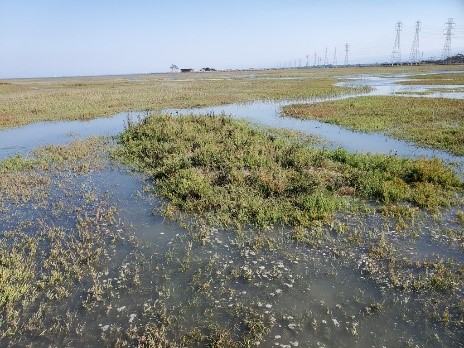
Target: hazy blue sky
{"points": [[93, 37]]}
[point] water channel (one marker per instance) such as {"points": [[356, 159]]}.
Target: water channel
{"points": [[312, 297], [24, 139]]}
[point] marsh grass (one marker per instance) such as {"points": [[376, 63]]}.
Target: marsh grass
{"points": [[26, 101], [23, 101], [46, 257], [72, 274], [47, 265], [436, 79], [431, 122], [234, 174], [81, 156], [434, 90], [27, 178]]}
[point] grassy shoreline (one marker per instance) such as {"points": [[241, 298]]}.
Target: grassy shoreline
{"points": [[27, 101], [436, 79], [24, 101], [431, 122]]}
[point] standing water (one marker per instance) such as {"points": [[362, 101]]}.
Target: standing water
{"points": [[289, 295], [24, 139]]}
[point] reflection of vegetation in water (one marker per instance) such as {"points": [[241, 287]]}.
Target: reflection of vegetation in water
{"points": [[236, 175], [433, 122]]}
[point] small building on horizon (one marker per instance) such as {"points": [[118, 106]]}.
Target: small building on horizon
{"points": [[186, 70]]}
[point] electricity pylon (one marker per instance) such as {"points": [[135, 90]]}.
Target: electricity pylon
{"points": [[346, 53], [396, 53], [415, 55], [447, 47]]}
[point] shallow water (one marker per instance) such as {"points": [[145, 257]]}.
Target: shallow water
{"points": [[24, 139], [268, 114], [316, 298], [313, 297]]}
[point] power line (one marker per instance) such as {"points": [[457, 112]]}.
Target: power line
{"points": [[424, 40]]}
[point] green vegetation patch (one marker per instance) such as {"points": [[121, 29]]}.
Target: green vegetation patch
{"points": [[436, 79], [432, 122], [234, 174], [434, 90]]}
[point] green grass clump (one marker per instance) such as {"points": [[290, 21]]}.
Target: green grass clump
{"points": [[15, 164], [236, 175], [460, 216], [436, 123], [16, 274]]}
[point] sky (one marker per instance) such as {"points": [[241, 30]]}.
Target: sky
{"points": [[102, 37]]}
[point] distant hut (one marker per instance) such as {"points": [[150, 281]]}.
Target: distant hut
{"points": [[186, 70]]}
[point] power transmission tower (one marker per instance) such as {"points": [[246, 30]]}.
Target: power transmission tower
{"points": [[315, 58], [447, 47], [325, 57], [414, 57], [347, 47], [335, 57], [396, 53], [307, 60]]}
